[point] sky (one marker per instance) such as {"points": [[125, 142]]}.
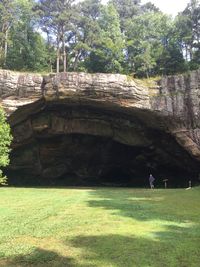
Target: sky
{"points": [[169, 6]]}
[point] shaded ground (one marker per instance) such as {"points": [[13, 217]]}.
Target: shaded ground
{"points": [[99, 227]]}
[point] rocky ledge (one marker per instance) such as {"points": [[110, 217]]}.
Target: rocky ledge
{"points": [[78, 128]]}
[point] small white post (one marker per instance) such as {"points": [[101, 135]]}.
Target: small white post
{"points": [[165, 181]]}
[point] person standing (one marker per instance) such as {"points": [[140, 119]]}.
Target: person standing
{"points": [[151, 181]]}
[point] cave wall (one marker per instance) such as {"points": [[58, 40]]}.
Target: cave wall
{"points": [[73, 144]]}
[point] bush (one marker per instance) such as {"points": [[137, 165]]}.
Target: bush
{"points": [[5, 141]]}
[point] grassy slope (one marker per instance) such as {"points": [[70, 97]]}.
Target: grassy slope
{"points": [[99, 227]]}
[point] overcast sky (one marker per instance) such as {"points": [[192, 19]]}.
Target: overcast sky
{"points": [[169, 6]]}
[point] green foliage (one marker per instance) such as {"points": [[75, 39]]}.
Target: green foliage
{"points": [[107, 54], [5, 140], [171, 61], [188, 30], [27, 52], [147, 37], [27, 49], [57, 19], [87, 34], [122, 36], [7, 18], [3, 178], [127, 10]]}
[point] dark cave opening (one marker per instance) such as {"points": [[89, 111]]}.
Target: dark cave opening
{"points": [[86, 146], [85, 160]]}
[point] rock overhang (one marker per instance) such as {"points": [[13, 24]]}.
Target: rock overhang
{"points": [[108, 109]]}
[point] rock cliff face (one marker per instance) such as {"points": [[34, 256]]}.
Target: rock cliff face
{"points": [[179, 98], [77, 128]]}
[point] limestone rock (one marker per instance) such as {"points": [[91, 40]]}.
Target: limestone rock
{"points": [[19, 89], [101, 128]]}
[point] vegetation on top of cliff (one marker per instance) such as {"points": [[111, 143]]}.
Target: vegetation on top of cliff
{"points": [[118, 37], [151, 82], [5, 140]]}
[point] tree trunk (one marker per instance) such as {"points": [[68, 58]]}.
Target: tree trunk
{"points": [[58, 60], [191, 52], [49, 52], [58, 55], [76, 60], [64, 52], [64, 60], [51, 67], [186, 52], [5, 47], [147, 74]]}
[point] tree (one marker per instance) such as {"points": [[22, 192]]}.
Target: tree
{"points": [[127, 10], [188, 29], [144, 62], [122, 36], [5, 140], [149, 7], [27, 48], [86, 33], [56, 20], [21, 45], [107, 55], [171, 60], [7, 17], [147, 36]]}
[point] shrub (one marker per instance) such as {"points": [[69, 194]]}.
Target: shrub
{"points": [[5, 141]]}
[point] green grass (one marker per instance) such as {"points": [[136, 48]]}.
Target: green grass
{"points": [[99, 227]]}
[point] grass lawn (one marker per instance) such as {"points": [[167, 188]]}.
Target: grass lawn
{"points": [[99, 227]]}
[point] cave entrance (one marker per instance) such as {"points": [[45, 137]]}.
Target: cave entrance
{"points": [[85, 145]]}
